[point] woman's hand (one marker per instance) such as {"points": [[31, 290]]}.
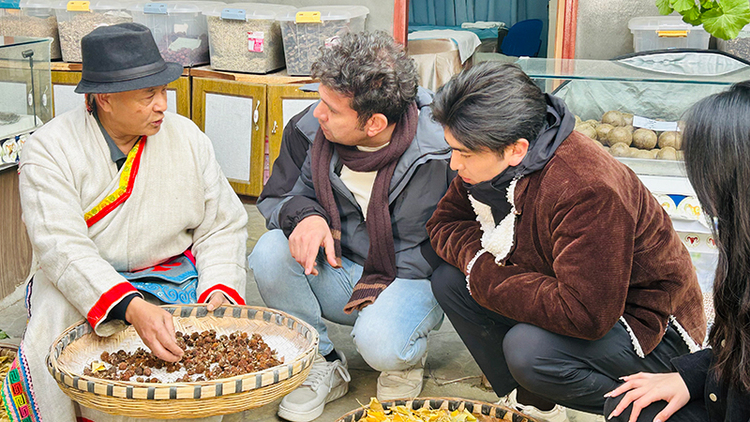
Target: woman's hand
{"points": [[643, 389], [154, 326]]}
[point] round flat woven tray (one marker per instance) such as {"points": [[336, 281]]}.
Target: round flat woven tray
{"points": [[483, 411], [293, 340]]}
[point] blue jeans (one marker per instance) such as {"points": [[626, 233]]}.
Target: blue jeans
{"points": [[390, 334]]}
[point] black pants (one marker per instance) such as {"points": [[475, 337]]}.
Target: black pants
{"points": [[572, 372], [694, 411]]}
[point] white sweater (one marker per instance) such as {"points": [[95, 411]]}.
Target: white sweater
{"points": [[180, 200]]}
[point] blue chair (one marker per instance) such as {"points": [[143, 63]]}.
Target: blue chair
{"points": [[523, 39]]}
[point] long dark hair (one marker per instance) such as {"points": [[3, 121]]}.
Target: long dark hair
{"points": [[717, 158]]}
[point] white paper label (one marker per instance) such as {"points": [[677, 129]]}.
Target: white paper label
{"points": [[189, 43], [255, 41], [652, 124]]}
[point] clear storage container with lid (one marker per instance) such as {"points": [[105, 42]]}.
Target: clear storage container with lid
{"points": [[738, 46], [314, 27], [246, 37], [76, 18], [30, 18], [179, 29], [663, 32]]}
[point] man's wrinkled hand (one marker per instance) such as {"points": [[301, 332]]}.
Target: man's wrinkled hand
{"points": [[308, 237], [154, 326], [216, 299]]}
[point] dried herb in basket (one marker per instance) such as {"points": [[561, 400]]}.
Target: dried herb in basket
{"points": [[207, 357]]}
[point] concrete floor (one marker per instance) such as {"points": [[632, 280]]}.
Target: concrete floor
{"points": [[450, 370]]}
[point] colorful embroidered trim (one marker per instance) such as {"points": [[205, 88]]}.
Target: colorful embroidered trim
{"points": [[107, 301], [17, 395], [230, 292], [127, 180]]}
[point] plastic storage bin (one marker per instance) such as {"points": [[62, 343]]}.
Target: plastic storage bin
{"points": [[31, 18], [314, 27], [663, 32], [739, 46], [77, 18], [246, 37], [179, 29]]}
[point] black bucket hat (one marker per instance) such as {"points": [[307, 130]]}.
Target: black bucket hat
{"points": [[123, 57]]}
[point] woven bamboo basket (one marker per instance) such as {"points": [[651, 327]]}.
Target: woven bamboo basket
{"points": [[483, 411], [293, 340]]}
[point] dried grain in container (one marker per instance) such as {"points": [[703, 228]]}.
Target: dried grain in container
{"points": [[664, 32], [246, 37], [738, 46], [8, 9], [77, 18], [314, 27], [179, 29], [31, 18]]}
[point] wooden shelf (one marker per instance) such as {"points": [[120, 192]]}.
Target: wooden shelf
{"points": [[77, 67], [280, 77]]}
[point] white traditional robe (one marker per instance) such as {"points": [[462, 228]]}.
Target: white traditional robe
{"points": [[180, 200]]}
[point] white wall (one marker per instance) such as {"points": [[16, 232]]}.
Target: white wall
{"points": [[603, 26]]}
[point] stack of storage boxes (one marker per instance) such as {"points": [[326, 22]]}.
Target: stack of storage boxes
{"points": [[315, 27], [245, 37], [664, 32], [30, 18], [179, 29], [77, 18]]}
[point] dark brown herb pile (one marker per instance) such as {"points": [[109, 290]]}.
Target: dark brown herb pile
{"points": [[207, 357]]}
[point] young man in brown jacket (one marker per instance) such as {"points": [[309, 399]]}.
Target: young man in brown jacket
{"points": [[567, 274]]}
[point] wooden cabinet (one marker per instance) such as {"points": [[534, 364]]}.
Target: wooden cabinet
{"points": [[65, 77], [244, 115], [15, 259], [284, 102], [233, 116]]}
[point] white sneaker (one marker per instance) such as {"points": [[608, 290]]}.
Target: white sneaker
{"points": [[326, 382], [578, 416], [406, 384], [557, 414]]}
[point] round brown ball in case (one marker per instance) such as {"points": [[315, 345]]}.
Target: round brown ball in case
{"points": [[614, 118], [587, 130], [620, 150], [620, 134], [670, 139], [643, 154], [667, 153], [644, 138], [602, 131]]}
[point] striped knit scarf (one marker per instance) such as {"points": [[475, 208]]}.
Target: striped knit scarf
{"points": [[380, 265]]}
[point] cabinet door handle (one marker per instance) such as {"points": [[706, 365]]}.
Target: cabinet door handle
{"points": [[273, 129], [256, 115]]}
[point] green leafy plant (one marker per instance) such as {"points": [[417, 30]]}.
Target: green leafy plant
{"points": [[723, 19], [3, 335]]}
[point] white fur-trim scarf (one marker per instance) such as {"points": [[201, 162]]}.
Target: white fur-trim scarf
{"points": [[496, 239]]}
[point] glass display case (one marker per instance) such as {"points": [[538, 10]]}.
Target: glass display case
{"points": [[26, 100], [646, 95]]}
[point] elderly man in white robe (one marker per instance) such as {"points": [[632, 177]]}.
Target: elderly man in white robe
{"points": [[115, 186]]}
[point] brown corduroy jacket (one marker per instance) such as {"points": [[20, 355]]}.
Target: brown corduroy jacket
{"points": [[591, 245]]}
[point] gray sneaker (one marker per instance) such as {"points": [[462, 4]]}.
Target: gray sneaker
{"points": [[406, 384], [326, 382], [557, 414]]}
